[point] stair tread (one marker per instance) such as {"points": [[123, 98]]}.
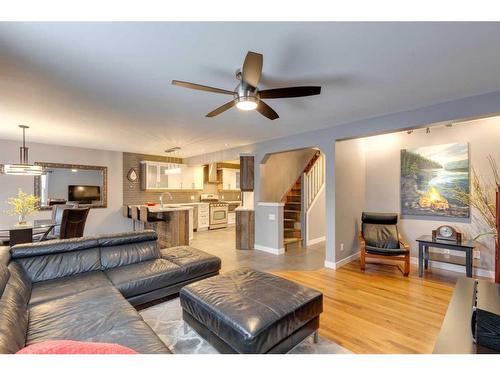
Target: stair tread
{"points": [[291, 210], [290, 240]]}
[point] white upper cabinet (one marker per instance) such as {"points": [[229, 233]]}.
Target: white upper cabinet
{"points": [[230, 179], [170, 176]]}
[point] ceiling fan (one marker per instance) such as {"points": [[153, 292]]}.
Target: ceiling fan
{"points": [[246, 96]]}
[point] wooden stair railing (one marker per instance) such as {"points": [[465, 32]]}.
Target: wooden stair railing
{"points": [[293, 210]]}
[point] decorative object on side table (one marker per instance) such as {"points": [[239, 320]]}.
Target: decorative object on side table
{"points": [[23, 205], [447, 233]]}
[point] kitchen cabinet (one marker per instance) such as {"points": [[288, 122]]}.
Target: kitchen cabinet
{"points": [[230, 179], [170, 176], [247, 172], [203, 216]]}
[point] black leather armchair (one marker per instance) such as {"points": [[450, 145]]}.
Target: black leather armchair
{"points": [[379, 238]]}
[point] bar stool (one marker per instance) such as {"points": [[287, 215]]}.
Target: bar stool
{"points": [[134, 213]]}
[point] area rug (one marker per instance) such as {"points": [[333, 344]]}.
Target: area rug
{"points": [[166, 320]]}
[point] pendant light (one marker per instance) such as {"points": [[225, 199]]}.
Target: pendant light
{"points": [[24, 168]]}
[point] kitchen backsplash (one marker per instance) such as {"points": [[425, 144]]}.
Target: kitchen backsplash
{"points": [[133, 194]]}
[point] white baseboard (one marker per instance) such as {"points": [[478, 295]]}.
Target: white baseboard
{"points": [[342, 262], [457, 268], [329, 264], [316, 240], [271, 250]]}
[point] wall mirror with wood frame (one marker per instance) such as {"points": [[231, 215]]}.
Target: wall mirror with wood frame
{"points": [[83, 185]]}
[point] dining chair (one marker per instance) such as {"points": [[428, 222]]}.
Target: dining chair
{"points": [[73, 222]]}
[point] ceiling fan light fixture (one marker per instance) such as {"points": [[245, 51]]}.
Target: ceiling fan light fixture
{"points": [[247, 103]]}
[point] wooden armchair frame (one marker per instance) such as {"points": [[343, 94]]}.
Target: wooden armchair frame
{"points": [[405, 259]]}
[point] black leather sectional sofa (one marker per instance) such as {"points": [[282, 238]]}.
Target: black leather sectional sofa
{"points": [[83, 289]]}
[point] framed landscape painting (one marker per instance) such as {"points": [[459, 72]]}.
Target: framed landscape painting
{"points": [[429, 177]]}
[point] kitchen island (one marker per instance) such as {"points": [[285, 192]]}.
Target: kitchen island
{"points": [[172, 223]]}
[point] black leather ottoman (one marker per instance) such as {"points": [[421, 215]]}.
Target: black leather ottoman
{"points": [[247, 311]]}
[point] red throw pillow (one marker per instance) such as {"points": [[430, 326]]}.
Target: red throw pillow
{"points": [[75, 347]]}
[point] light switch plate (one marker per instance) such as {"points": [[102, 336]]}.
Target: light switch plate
{"points": [[477, 254], [272, 217]]}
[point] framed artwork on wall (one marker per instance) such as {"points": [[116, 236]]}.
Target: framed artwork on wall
{"points": [[429, 176]]}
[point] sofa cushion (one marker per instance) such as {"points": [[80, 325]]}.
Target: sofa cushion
{"points": [[57, 265], [14, 309], [143, 277], [75, 347], [78, 316], [45, 291], [251, 311], [194, 262], [53, 247], [136, 335], [125, 254], [4, 278], [97, 315]]}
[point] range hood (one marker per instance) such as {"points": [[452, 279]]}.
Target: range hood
{"points": [[212, 173]]}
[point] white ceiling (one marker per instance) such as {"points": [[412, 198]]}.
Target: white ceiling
{"points": [[107, 85]]}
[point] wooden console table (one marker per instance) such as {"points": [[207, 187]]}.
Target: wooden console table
{"points": [[455, 336], [426, 242]]}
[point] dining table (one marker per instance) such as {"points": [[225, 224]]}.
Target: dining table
{"points": [[23, 233]]}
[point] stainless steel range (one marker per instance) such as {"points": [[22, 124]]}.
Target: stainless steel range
{"points": [[218, 211]]}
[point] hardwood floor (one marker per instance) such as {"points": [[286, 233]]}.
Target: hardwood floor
{"points": [[379, 310]]}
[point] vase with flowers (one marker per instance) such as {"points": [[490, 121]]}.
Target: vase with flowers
{"points": [[23, 205]]}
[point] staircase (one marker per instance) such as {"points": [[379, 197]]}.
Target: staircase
{"points": [[293, 210], [292, 214]]}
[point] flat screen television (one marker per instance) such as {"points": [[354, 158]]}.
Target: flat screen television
{"points": [[84, 194]]}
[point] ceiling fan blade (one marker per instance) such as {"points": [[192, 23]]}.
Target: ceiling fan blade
{"points": [[195, 86], [252, 68], [267, 111], [221, 109], [290, 92]]}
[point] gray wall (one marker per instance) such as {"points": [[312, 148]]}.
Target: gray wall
{"points": [[271, 217], [383, 173], [480, 105], [100, 220], [350, 190], [279, 172]]}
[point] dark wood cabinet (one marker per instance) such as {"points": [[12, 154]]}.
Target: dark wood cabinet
{"points": [[247, 173], [245, 229]]}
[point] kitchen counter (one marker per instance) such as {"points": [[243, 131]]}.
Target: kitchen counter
{"points": [[166, 208], [172, 223], [243, 208]]}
